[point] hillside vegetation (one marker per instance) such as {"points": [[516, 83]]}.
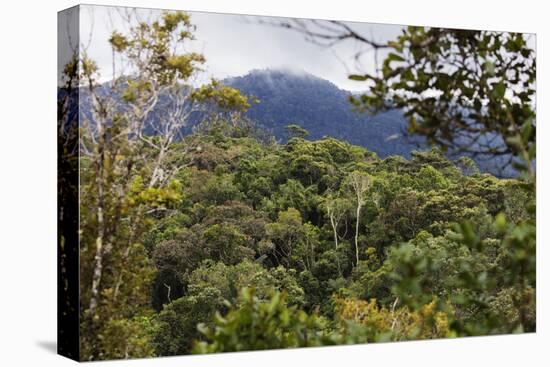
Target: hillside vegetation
{"points": [[227, 240], [246, 223]]}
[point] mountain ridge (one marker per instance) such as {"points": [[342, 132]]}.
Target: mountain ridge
{"points": [[323, 109]]}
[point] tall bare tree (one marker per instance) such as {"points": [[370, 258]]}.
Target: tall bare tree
{"points": [[359, 184], [336, 208]]}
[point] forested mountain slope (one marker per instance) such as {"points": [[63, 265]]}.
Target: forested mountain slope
{"points": [[290, 97], [287, 97]]}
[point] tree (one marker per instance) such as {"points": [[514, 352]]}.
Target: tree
{"points": [[359, 183], [308, 248], [230, 279], [126, 174], [372, 323], [286, 233], [296, 131], [336, 209], [177, 322], [258, 325], [516, 286], [472, 91], [210, 289]]}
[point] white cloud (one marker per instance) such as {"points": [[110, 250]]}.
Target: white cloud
{"points": [[236, 44]]}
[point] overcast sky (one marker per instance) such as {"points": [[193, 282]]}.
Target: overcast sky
{"points": [[235, 44]]}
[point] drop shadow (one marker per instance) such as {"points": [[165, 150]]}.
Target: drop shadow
{"points": [[48, 345]]}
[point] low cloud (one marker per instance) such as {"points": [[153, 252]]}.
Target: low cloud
{"points": [[236, 44]]}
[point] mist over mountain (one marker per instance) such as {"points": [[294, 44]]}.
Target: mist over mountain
{"points": [[294, 97], [287, 96]]}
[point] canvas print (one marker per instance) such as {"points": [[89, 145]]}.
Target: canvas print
{"points": [[232, 182]]}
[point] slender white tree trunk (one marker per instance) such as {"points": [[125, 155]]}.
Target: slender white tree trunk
{"points": [[334, 230], [100, 237], [357, 234]]}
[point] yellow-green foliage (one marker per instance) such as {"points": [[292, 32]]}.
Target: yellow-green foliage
{"points": [[396, 323], [226, 98], [128, 338], [257, 325], [154, 196]]}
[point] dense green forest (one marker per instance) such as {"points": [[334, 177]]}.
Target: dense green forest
{"points": [[342, 247], [226, 240]]}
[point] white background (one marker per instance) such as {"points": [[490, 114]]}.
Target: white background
{"points": [[28, 182]]}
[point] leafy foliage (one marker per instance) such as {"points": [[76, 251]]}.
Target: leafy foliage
{"points": [[226, 241], [260, 325], [472, 90]]}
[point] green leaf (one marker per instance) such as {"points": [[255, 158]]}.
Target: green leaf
{"points": [[532, 151], [526, 131], [500, 223], [489, 67], [394, 57], [359, 78], [499, 90]]}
